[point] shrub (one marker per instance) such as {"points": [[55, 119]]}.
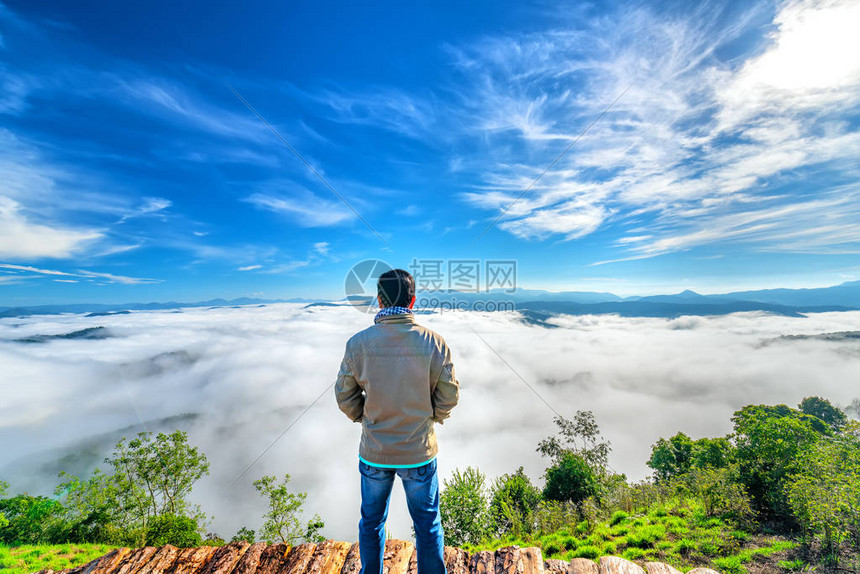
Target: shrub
{"points": [[709, 547], [463, 506], [685, 546], [284, 513], [587, 551], [633, 553], [730, 565], [792, 565], [646, 536], [609, 548], [617, 517], [179, 531], [570, 479], [513, 502]]}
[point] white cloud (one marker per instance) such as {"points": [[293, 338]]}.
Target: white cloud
{"points": [[21, 238], [172, 101], [150, 206], [249, 267], [80, 273], [304, 207], [33, 269], [386, 108], [111, 278], [663, 151], [249, 372], [813, 62]]}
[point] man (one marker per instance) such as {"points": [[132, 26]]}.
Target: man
{"points": [[397, 380]]}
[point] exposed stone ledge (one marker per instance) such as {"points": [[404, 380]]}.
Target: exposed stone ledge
{"points": [[332, 557]]}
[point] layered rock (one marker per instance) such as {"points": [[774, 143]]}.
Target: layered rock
{"points": [[332, 557]]}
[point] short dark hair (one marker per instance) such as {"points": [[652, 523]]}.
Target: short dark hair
{"points": [[396, 288]]}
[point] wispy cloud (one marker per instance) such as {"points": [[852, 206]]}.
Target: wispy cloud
{"points": [[150, 206], [109, 277], [386, 108], [303, 207], [695, 147]]}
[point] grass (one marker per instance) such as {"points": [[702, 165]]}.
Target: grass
{"points": [[680, 536], [26, 559]]}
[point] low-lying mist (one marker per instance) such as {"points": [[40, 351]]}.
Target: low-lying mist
{"points": [[235, 378]]}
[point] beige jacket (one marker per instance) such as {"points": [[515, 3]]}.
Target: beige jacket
{"points": [[397, 379]]}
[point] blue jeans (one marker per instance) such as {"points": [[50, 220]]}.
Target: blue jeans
{"points": [[422, 498]]}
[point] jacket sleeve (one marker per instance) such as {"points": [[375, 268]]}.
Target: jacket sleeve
{"points": [[349, 395], [447, 391]]}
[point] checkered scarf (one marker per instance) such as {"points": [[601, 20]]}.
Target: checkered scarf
{"points": [[384, 312]]}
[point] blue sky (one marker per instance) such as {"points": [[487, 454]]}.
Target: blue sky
{"points": [[129, 170]]}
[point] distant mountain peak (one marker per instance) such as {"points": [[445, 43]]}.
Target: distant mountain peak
{"points": [[688, 293]]}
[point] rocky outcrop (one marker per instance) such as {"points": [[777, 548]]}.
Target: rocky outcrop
{"points": [[331, 557]]}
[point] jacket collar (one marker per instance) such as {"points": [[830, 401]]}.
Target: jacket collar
{"points": [[398, 318]]}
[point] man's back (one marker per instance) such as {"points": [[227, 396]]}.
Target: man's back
{"points": [[397, 379], [407, 376]]}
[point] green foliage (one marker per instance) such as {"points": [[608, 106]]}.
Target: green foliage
{"points": [[283, 518], [617, 517], [514, 501], [582, 437], [213, 539], [180, 531], [719, 492], [152, 477], [769, 440], [730, 565], [646, 536], [680, 455], [671, 458], [464, 508], [824, 493], [685, 546], [633, 553], [587, 551], [824, 410], [155, 476], [570, 479], [245, 534], [712, 453], [792, 565], [30, 519]]}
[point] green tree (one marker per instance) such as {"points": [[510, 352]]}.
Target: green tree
{"points": [[31, 520], [159, 473], [824, 410], [245, 534], [580, 436], [180, 531], [513, 502], [463, 507], [570, 479], [151, 477], [712, 453], [671, 458], [769, 440], [284, 514], [96, 511], [824, 492], [3, 487]]}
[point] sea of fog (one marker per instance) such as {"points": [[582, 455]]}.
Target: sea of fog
{"points": [[242, 375]]}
